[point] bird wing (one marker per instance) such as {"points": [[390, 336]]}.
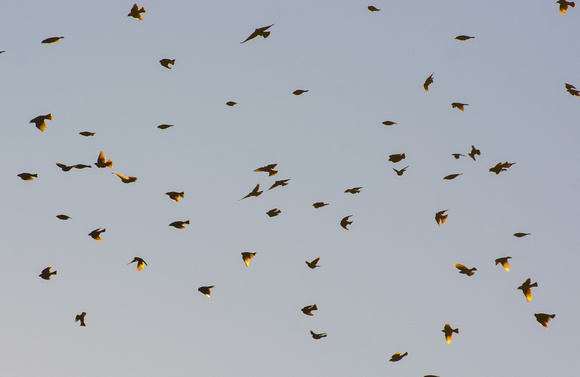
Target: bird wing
{"points": [[101, 158], [252, 36]]}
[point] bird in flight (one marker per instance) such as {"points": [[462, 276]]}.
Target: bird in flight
{"points": [[354, 190], [165, 126], [448, 331], [81, 318], [246, 256], [452, 176], [504, 262], [464, 270], [63, 217], [125, 179], [474, 152], [398, 356], [319, 204], [96, 234], [206, 290], [64, 167], [87, 133], [572, 90], [167, 62], [318, 336], [27, 176], [299, 92], [254, 192], [313, 264], [82, 166], [52, 40], [140, 263], [400, 172], [268, 169], [459, 105], [544, 318], [173, 195], [564, 5], [308, 309], [282, 182], [136, 12], [179, 224], [260, 31], [463, 37], [273, 212], [520, 235], [40, 121], [396, 157], [46, 273], [389, 123], [231, 103], [526, 288], [344, 222], [102, 163], [373, 8], [457, 155], [428, 82], [501, 166], [440, 217]]}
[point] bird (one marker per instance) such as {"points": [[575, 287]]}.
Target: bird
{"points": [[27, 176], [400, 172], [246, 256], [440, 217], [167, 62], [428, 82], [452, 176], [82, 166], [64, 167], [373, 8], [125, 179], [101, 163], [282, 182], [344, 222], [398, 356], [313, 264], [498, 168], [308, 309], [464, 270], [46, 273], [52, 40], [268, 169], [572, 90], [136, 12], [526, 288], [96, 234], [206, 290], [165, 126], [457, 155], [179, 224], [317, 336], [140, 263], [389, 123], [273, 212], [40, 121], [463, 37], [474, 152], [564, 5], [459, 105], [87, 133], [319, 204], [299, 92], [254, 192], [448, 331], [259, 32], [354, 190], [173, 195], [3, 51], [231, 103], [63, 217], [504, 262], [520, 235], [396, 157], [544, 318], [81, 318]]}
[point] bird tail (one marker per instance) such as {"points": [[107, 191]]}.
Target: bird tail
{"points": [[182, 194], [172, 61], [551, 315], [109, 163], [405, 354], [455, 331], [572, 4], [54, 273], [403, 155], [49, 116], [186, 222], [34, 175], [142, 10], [314, 307], [266, 34], [534, 285]]}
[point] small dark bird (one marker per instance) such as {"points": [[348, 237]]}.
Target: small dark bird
{"points": [[282, 182], [457, 155], [81, 318], [569, 86], [373, 9], [464, 270], [400, 172], [82, 166], [231, 103], [167, 62], [27, 176], [3, 51], [45, 274], [448, 331], [40, 121], [428, 82], [544, 318], [504, 262], [526, 288], [452, 176], [140, 263], [344, 222], [396, 157], [317, 336], [354, 190], [261, 32], [498, 168], [102, 163], [87, 133], [246, 256], [136, 12], [96, 234], [173, 195], [52, 40], [299, 92], [572, 90], [64, 167], [474, 152], [165, 126], [520, 235], [254, 192], [206, 290], [179, 224], [313, 264], [459, 105], [273, 212], [308, 309], [440, 218], [125, 179], [463, 37], [319, 204], [389, 123], [268, 169], [564, 5], [398, 356], [63, 217]]}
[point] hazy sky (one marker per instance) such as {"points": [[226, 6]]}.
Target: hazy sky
{"points": [[388, 285]]}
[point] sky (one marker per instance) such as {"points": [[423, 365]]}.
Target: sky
{"points": [[387, 285]]}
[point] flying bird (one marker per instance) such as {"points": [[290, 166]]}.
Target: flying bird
{"points": [[259, 32], [268, 169], [440, 217], [140, 263], [96, 234], [452, 176], [165, 126], [246, 256], [504, 262], [398, 356], [317, 336], [459, 105], [40, 121], [27, 176], [136, 12], [308, 309], [544, 318], [299, 92], [373, 8], [457, 155], [400, 172], [572, 90], [206, 290], [501, 166], [82, 166], [167, 62], [63, 217], [254, 192], [448, 331], [520, 235], [344, 222], [64, 167], [179, 224], [463, 37], [396, 157], [474, 152], [87, 133], [354, 190], [173, 195], [81, 318], [273, 212], [319, 204], [564, 5], [282, 182], [464, 270], [231, 103], [46, 273], [52, 40], [313, 264], [526, 288], [389, 123], [125, 179], [102, 163], [428, 82]]}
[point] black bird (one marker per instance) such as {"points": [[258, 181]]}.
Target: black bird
{"points": [[63, 217], [452, 176], [82, 166], [308, 309], [474, 152], [206, 290], [504, 262], [268, 169], [544, 318], [81, 318], [440, 217], [140, 263], [428, 82], [398, 356], [448, 331], [246, 256], [167, 62], [319, 204], [373, 8], [526, 288], [126, 179], [136, 12], [173, 195], [463, 37], [344, 222], [396, 157], [64, 167], [259, 32], [254, 192], [87, 133], [501, 166], [520, 235], [564, 5], [231, 103], [282, 182], [52, 40], [457, 155], [165, 126], [354, 190], [313, 264], [96, 234], [400, 172], [299, 92], [179, 224], [389, 123], [102, 163], [27, 176], [317, 336], [46, 273], [464, 270], [459, 105], [40, 121], [273, 212]]}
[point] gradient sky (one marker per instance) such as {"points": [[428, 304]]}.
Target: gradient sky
{"points": [[388, 285]]}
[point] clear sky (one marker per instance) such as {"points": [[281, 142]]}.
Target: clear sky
{"points": [[388, 285]]}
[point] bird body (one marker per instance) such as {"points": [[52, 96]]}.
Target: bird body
{"points": [[165, 126], [63, 217], [140, 263], [397, 157], [504, 262], [428, 82], [87, 133], [389, 123], [459, 105], [27, 176], [259, 32], [273, 212], [246, 256], [319, 204], [64, 167], [526, 288], [126, 179], [457, 155], [136, 12], [255, 192], [308, 309], [440, 217], [82, 166], [102, 163], [206, 290], [167, 62], [46, 273], [544, 318], [179, 224], [317, 336], [463, 37], [313, 264], [373, 8], [564, 5], [52, 40], [448, 331], [81, 318], [231, 103], [299, 92], [354, 190], [40, 121], [96, 234], [398, 356], [173, 195], [520, 235], [452, 176], [344, 222], [464, 270]]}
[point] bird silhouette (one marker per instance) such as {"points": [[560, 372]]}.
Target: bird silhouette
{"points": [[344, 222], [140, 263], [428, 82], [63, 217], [87, 133], [254, 192], [459, 105], [501, 166], [457, 155], [354, 190], [572, 90], [136, 12], [165, 126], [452, 176], [179, 224], [206, 290], [440, 217], [313, 264], [520, 235], [463, 37], [400, 172], [102, 163], [125, 179], [259, 32], [82, 166], [373, 8], [389, 123], [282, 182], [40, 121], [52, 40], [81, 318], [308, 309], [464, 270], [64, 167], [319, 204], [96, 234], [318, 336], [167, 62], [398, 356], [27, 176], [246, 256], [448, 331], [299, 92], [46, 273], [231, 103], [396, 157], [564, 5], [173, 195], [268, 169], [474, 152], [273, 212], [504, 262], [526, 288], [544, 318]]}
